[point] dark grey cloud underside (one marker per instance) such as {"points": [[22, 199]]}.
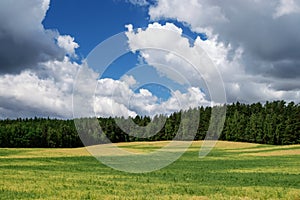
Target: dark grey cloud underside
{"points": [[23, 40], [265, 39], [12, 108], [18, 51]]}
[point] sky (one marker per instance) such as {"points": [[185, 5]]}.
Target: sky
{"points": [[65, 59]]}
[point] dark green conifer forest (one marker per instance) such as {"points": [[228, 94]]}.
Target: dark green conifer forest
{"points": [[275, 123]]}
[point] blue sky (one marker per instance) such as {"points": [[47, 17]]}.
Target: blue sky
{"points": [[92, 22]]}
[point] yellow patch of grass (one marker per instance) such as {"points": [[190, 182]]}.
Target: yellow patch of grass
{"points": [[152, 144], [69, 152], [276, 153], [40, 152], [269, 147], [147, 147], [234, 145], [137, 147], [219, 144]]}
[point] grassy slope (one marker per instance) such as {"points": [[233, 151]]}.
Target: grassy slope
{"points": [[230, 171]]}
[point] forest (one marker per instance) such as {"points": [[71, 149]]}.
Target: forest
{"points": [[274, 122]]}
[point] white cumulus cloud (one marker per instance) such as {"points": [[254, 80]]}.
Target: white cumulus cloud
{"points": [[67, 42], [44, 93], [168, 52]]}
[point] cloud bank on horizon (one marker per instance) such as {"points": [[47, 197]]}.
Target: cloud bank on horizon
{"points": [[255, 45]]}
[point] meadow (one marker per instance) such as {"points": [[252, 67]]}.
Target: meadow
{"points": [[230, 171]]}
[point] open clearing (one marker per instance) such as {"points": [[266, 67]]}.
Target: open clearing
{"points": [[230, 171]]}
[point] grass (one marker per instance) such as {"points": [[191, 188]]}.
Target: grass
{"points": [[230, 171]]}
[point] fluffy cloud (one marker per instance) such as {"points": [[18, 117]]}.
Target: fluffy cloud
{"points": [[164, 47], [46, 92], [171, 54], [116, 98], [138, 2], [257, 43], [199, 16], [67, 42], [36, 74], [248, 24], [24, 41]]}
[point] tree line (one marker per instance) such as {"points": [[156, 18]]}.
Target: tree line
{"points": [[274, 122]]}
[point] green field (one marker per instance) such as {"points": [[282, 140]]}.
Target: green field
{"points": [[230, 171]]}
